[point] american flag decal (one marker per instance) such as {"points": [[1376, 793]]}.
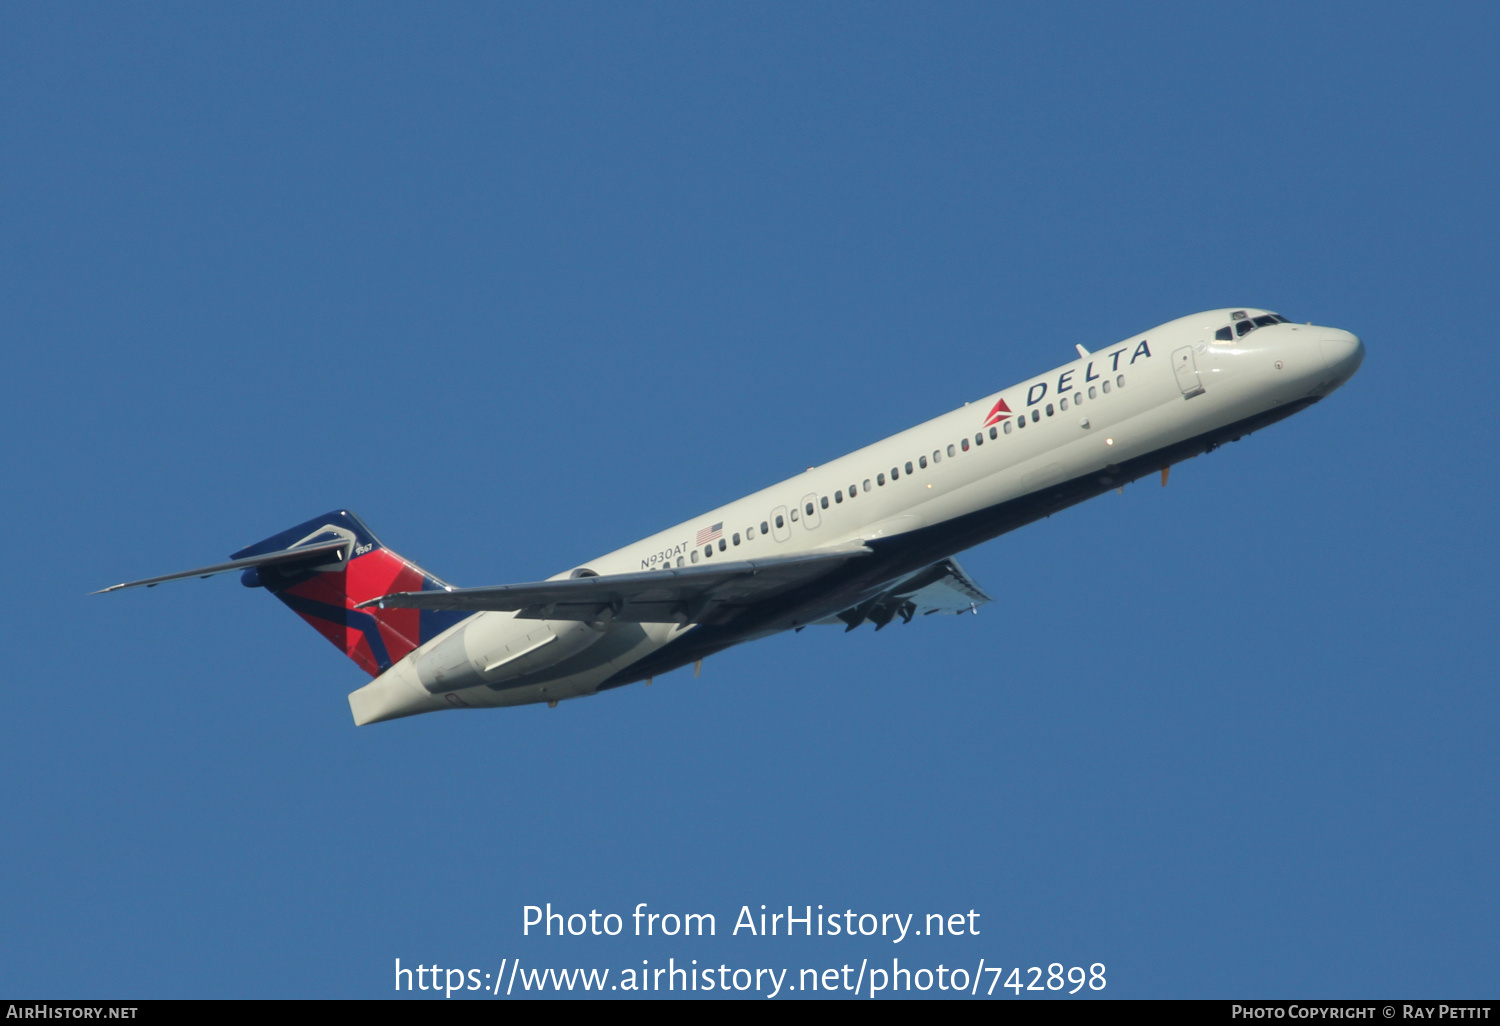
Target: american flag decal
{"points": [[708, 534]]}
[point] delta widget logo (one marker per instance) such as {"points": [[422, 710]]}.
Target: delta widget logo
{"points": [[998, 413]]}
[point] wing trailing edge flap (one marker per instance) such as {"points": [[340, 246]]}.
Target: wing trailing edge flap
{"points": [[693, 594], [943, 587]]}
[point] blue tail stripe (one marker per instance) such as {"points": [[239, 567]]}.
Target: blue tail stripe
{"points": [[433, 622], [362, 622]]}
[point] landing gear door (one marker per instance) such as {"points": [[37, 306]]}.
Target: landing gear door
{"points": [[1186, 369], [780, 529]]}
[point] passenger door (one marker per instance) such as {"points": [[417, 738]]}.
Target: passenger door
{"points": [[1186, 369]]}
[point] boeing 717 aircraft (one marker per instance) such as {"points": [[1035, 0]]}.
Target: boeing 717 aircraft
{"points": [[864, 539]]}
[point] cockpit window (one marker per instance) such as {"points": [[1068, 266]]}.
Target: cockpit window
{"points": [[1244, 325]]}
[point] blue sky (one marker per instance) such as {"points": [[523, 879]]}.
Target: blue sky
{"points": [[522, 284]]}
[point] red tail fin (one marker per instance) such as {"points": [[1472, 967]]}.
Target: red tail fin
{"points": [[325, 595]]}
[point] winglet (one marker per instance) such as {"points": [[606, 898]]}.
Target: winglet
{"points": [[1081, 351]]}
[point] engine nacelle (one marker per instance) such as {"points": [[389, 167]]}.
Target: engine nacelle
{"points": [[492, 648]]}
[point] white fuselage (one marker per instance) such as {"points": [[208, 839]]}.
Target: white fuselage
{"points": [[1121, 403]]}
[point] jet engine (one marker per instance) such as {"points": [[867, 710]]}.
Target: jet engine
{"points": [[493, 648]]}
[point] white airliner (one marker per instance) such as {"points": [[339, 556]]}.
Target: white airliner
{"points": [[865, 538]]}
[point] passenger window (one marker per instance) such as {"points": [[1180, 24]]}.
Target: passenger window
{"points": [[1050, 411], [979, 438], [880, 479], [1105, 386], [950, 450], [854, 490], [1244, 328], [1092, 393], [793, 514], [736, 537], [895, 473], [1224, 334], [1007, 429], [1021, 422], [1036, 415], [838, 496], [766, 530], [1077, 398], [937, 457], [779, 521], [723, 545], [1120, 381], [1062, 404], [695, 555], [750, 533], [823, 502], [867, 486], [708, 550], [964, 444], [908, 466], [922, 462]]}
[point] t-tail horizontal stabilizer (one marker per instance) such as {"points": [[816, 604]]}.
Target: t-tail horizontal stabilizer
{"points": [[320, 553], [322, 569]]}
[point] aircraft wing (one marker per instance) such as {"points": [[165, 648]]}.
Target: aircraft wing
{"points": [[692, 594], [942, 587]]}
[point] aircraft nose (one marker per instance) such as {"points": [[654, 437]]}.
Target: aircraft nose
{"points": [[1343, 352]]}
